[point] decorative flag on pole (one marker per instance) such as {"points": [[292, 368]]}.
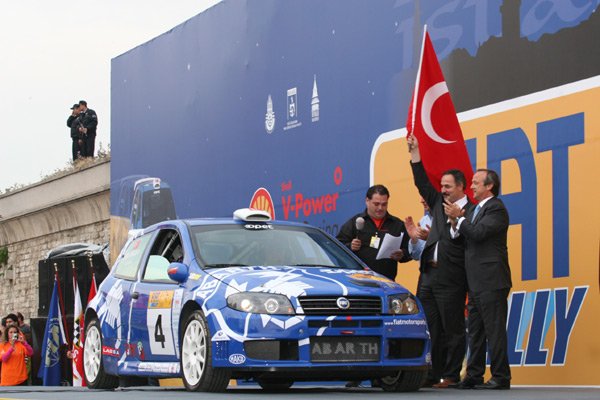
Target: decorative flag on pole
{"points": [[432, 120], [78, 329], [92, 293], [54, 337]]}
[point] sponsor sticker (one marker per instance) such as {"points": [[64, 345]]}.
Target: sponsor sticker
{"points": [[258, 227], [160, 367], [237, 359], [194, 276], [110, 351], [416, 322], [162, 299]]}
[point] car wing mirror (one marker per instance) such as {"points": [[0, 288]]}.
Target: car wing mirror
{"points": [[178, 272]]}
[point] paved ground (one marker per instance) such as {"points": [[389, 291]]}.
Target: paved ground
{"points": [[254, 392]]}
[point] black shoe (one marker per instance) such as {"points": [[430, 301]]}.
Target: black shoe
{"points": [[494, 385], [469, 383]]}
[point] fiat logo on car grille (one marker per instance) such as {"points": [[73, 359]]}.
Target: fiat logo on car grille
{"points": [[343, 303]]}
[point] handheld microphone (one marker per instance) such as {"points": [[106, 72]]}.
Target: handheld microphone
{"points": [[359, 224]]}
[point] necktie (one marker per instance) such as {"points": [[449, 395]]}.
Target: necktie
{"points": [[475, 212]]}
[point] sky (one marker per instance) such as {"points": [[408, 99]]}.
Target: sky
{"points": [[56, 53]]}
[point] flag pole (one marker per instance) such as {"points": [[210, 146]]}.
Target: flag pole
{"points": [[93, 283], [61, 304], [89, 256], [74, 294], [50, 370], [76, 344], [418, 78]]}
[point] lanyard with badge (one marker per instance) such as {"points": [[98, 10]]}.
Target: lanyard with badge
{"points": [[375, 239]]}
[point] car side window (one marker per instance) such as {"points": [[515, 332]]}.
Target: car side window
{"points": [[156, 268], [167, 248], [127, 267]]}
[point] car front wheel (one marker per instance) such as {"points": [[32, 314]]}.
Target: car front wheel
{"points": [[275, 385], [404, 381], [196, 359]]}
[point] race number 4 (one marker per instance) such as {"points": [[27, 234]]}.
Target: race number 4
{"points": [[159, 336], [160, 332]]}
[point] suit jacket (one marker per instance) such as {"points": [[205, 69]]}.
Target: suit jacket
{"points": [[486, 253], [451, 252]]}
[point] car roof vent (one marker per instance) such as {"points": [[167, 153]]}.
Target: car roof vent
{"points": [[251, 214]]}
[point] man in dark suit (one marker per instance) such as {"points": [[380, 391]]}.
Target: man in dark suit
{"points": [[89, 123], [485, 231], [442, 286]]}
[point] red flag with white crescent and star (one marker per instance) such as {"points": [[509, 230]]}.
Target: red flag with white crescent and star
{"points": [[432, 120]]}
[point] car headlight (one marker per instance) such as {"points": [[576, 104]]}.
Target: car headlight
{"points": [[403, 304], [260, 303]]}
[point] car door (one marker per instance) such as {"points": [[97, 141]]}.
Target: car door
{"points": [[114, 312], [154, 327]]}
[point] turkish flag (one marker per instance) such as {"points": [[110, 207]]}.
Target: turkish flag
{"points": [[432, 119]]}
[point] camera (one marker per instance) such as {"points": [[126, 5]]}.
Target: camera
{"points": [[15, 336]]}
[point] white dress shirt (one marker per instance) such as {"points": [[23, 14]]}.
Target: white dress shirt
{"points": [[416, 250], [454, 232]]}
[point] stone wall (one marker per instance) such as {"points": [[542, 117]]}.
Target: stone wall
{"points": [[21, 293], [71, 208]]}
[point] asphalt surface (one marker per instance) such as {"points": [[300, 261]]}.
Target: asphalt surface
{"points": [[303, 392]]}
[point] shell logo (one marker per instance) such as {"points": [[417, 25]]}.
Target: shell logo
{"points": [[261, 200]]}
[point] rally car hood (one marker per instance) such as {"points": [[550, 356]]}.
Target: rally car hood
{"points": [[306, 281]]}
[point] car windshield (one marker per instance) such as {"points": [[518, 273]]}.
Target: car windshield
{"points": [[269, 245]]}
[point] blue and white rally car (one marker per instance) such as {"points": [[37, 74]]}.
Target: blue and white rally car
{"points": [[209, 300]]}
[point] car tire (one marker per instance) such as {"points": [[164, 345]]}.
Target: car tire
{"points": [[275, 385], [404, 381], [197, 371], [93, 368]]}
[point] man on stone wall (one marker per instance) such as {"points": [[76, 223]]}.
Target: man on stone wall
{"points": [[89, 122]]}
